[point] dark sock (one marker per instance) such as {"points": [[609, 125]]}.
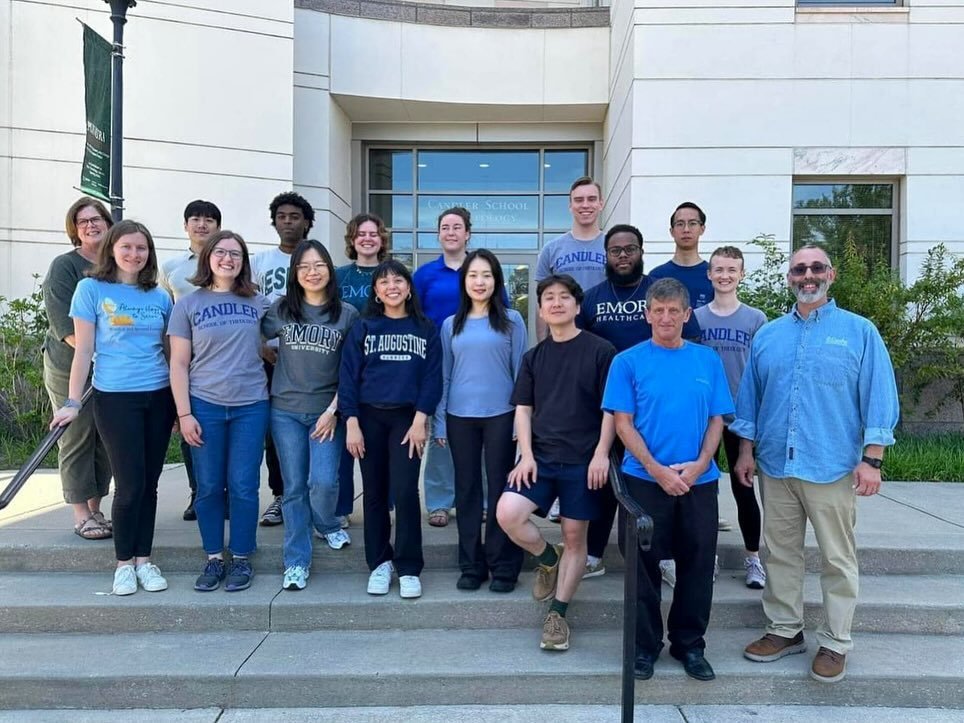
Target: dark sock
{"points": [[549, 556], [559, 606]]}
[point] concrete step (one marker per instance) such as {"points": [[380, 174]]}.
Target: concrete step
{"points": [[503, 666], [177, 549], [500, 713], [76, 602]]}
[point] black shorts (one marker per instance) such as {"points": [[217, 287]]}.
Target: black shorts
{"points": [[568, 482]]}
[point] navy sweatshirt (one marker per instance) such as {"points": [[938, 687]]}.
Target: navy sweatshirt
{"points": [[390, 363]]}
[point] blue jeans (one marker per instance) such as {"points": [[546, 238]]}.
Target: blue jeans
{"points": [[310, 472], [230, 457], [439, 476]]}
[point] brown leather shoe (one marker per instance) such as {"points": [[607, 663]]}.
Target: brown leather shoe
{"points": [[828, 666], [773, 647], [546, 577]]}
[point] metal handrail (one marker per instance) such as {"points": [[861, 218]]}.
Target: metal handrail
{"points": [[31, 465], [638, 536]]}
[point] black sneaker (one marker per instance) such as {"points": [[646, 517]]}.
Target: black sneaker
{"points": [[239, 575], [272, 514], [502, 586], [189, 514], [212, 576], [468, 582]]}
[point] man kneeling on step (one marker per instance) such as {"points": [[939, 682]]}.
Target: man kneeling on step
{"points": [[564, 441]]}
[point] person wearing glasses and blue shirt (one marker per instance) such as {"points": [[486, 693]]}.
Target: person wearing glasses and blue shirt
{"points": [[816, 408]]}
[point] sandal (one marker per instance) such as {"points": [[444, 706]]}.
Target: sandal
{"points": [[438, 518], [91, 529], [103, 521]]}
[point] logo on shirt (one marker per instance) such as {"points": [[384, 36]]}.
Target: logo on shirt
{"points": [[835, 341], [629, 310], [580, 259], [311, 337], [121, 314], [403, 344], [274, 281]]}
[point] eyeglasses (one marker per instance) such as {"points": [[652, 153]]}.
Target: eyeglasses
{"points": [[692, 223], [617, 251], [817, 267], [84, 222], [317, 267], [220, 253]]}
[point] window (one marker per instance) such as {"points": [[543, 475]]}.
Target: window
{"points": [[518, 197], [836, 214]]}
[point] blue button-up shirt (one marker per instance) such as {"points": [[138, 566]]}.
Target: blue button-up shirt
{"points": [[815, 393]]}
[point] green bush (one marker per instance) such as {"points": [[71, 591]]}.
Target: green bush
{"points": [[24, 406]]}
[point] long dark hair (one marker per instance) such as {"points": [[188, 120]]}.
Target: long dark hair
{"points": [[395, 268], [106, 267], [498, 318], [293, 304], [204, 277]]}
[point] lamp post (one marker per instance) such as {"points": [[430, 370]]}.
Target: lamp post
{"points": [[118, 16]]}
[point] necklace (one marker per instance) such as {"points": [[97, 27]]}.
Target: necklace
{"points": [[632, 295]]}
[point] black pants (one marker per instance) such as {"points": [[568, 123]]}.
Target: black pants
{"points": [[387, 471], [468, 437], [599, 529], [747, 509], [684, 530], [275, 481], [136, 428]]}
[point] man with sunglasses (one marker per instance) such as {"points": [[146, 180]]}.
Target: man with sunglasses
{"points": [[817, 405]]}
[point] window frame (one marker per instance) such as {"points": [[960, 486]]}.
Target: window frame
{"points": [[893, 211]]}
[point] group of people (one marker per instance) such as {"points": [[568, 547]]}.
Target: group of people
{"points": [[284, 356]]}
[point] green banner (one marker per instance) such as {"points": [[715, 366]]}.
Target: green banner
{"points": [[95, 174]]}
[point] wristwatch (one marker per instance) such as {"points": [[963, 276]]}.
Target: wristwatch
{"points": [[872, 461], [72, 404]]}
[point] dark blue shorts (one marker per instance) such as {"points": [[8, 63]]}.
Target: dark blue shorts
{"points": [[568, 482]]}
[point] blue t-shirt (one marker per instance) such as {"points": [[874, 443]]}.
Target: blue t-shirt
{"points": [[671, 393], [694, 278], [437, 287], [129, 332], [618, 314]]}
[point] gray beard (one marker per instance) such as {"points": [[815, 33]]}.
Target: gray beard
{"points": [[810, 297]]}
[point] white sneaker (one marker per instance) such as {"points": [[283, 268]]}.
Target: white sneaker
{"points": [[150, 577], [337, 539], [296, 578], [409, 586], [381, 579], [553, 515], [667, 569], [125, 580], [756, 576], [723, 525]]}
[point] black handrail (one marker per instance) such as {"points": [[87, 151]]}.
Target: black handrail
{"points": [[30, 466], [638, 536]]}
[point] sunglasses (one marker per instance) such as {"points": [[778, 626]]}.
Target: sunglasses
{"points": [[816, 267]]}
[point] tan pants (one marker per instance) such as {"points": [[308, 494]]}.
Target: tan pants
{"points": [[787, 505]]}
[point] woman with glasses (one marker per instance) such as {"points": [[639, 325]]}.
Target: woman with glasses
{"points": [[310, 323], [390, 384], [482, 347], [82, 458], [221, 394], [120, 315]]}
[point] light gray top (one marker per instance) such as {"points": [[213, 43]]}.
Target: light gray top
{"points": [[730, 337], [479, 367], [309, 356], [225, 334], [175, 273], [585, 261]]}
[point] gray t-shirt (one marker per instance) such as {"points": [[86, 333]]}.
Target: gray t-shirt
{"points": [[730, 337], [309, 356], [225, 334], [585, 261]]}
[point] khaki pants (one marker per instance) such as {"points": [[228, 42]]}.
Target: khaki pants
{"points": [[787, 505]]}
